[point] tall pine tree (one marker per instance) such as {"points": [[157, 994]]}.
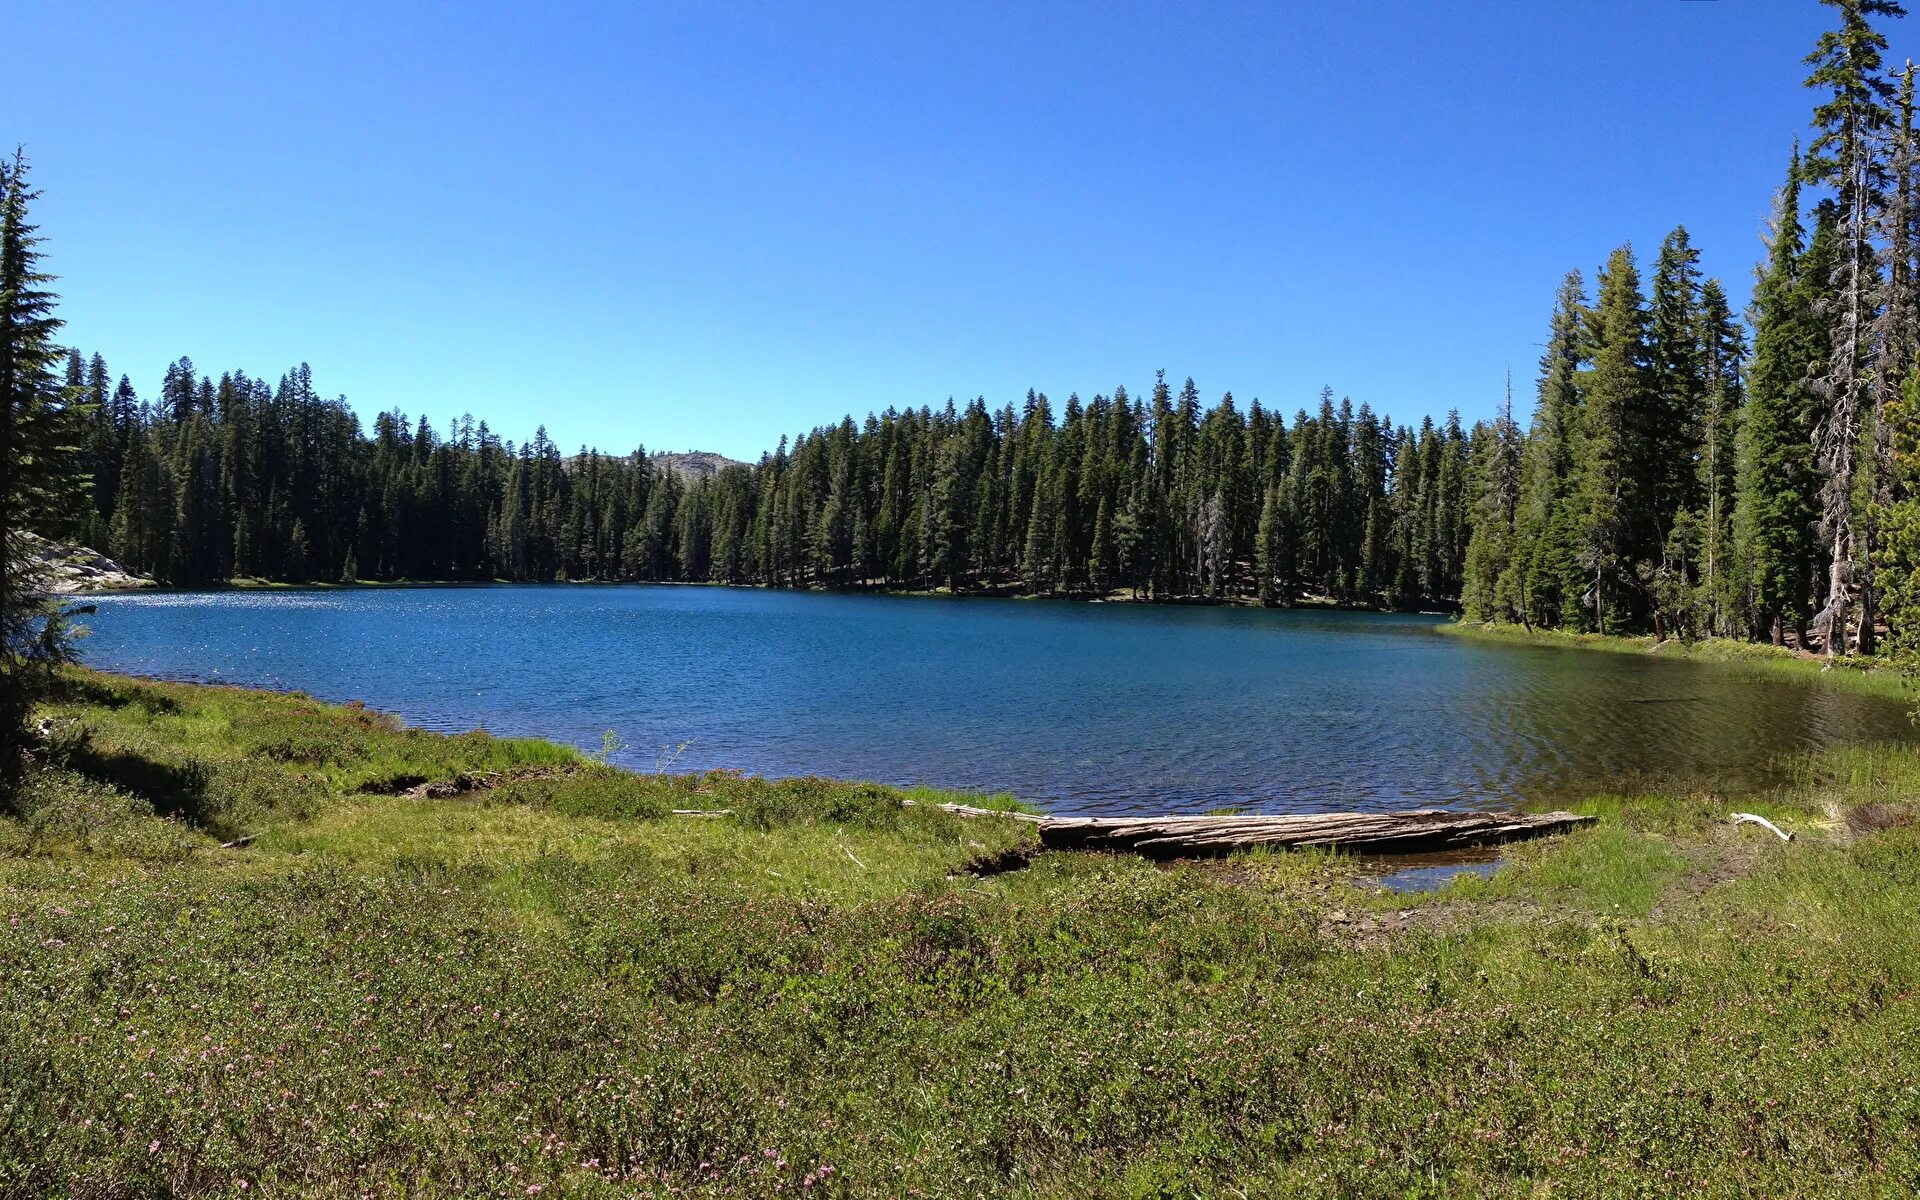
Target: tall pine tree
{"points": [[42, 484]]}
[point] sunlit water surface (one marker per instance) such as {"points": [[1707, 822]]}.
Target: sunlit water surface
{"points": [[1087, 707]]}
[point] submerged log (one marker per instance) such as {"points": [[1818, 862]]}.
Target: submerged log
{"points": [[1370, 833]]}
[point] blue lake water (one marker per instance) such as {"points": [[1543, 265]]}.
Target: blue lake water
{"points": [[1085, 707]]}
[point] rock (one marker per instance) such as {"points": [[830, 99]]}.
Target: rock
{"points": [[60, 569], [693, 465]]}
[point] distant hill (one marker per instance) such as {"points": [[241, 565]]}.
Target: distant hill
{"points": [[694, 464]]}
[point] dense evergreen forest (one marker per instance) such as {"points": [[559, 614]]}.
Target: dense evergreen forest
{"points": [[218, 478], [1684, 471]]}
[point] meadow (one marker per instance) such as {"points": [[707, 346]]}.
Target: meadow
{"points": [[258, 945]]}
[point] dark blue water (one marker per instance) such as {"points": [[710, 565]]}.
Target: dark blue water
{"points": [[1089, 707]]}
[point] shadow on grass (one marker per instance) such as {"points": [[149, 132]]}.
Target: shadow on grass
{"points": [[174, 790]]}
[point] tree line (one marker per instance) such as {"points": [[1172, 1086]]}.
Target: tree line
{"points": [[1162, 497]]}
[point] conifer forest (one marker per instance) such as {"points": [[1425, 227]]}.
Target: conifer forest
{"points": [[1686, 470]]}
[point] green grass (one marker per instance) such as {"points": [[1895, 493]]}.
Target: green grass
{"points": [[1871, 676], [1610, 870], [551, 988]]}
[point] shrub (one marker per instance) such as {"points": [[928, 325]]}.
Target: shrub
{"points": [[594, 791]]}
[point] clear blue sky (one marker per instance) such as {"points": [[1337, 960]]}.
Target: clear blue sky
{"points": [[705, 224]]}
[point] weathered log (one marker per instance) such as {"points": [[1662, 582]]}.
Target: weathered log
{"points": [[968, 810], [1755, 819], [1209, 836]]}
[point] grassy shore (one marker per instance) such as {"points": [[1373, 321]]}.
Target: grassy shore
{"points": [[1868, 675], [546, 985]]}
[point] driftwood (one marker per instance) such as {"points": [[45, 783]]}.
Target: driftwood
{"points": [[1756, 819], [463, 784], [1370, 833]]}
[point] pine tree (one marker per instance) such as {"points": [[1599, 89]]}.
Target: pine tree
{"points": [[1724, 351], [1846, 154], [1101, 565], [1897, 431], [1269, 551], [1615, 506], [297, 553], [1676, 385], [1774, 509], [41, 482], [1489, 589], [1545, 523], [1895, 338]]}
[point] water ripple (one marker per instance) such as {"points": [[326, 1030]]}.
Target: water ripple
{"points": [[1090, 708]]}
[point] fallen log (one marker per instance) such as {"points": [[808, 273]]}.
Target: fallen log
{"points": [[459, 785], [1368, 833], [465, 783], [1755, 819], [968, 810]]}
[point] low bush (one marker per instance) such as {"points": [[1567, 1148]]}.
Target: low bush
{"points": [[593, 791]]}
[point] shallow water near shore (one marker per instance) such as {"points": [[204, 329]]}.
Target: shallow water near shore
{"points": [[1429, 872], [1084, 708]]}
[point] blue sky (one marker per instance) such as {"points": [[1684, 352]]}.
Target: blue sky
{"points": [[702, 225]]}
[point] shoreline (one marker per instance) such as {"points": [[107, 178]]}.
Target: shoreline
{"points": [[1115, 597], [1755, 659]]}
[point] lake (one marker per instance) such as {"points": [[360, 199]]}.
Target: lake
{"points": [[1089, 708]]}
